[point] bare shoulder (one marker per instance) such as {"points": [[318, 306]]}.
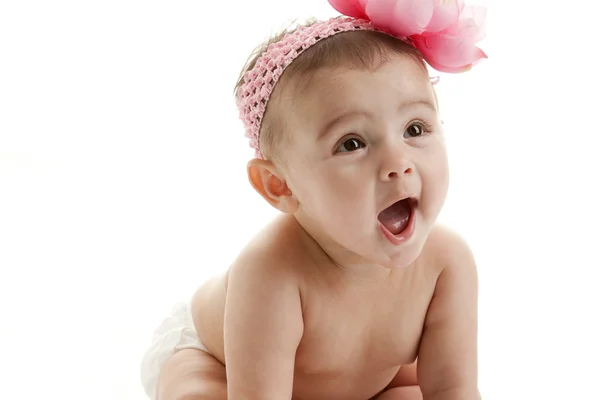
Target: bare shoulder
{"points": [[452, 267], [448, 249], [261, 277], [267, 271], [269, 258], [274, 251]]}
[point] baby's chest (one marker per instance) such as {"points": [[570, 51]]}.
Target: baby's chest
{"points": [[352, 340]]}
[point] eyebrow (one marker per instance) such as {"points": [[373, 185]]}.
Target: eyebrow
{"points": [[421, 102], [327, 128]]}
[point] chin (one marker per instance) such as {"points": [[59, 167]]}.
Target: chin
{"points": [[406, 256]]}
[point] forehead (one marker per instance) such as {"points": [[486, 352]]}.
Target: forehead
{"points": [[399, 79]]}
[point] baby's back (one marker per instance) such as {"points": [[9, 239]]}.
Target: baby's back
{"points": [[359, 326]]}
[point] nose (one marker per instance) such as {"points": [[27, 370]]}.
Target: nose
{"points": [[395, 163]]}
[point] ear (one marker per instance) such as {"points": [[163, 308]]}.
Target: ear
{"points": [[268, 181]]}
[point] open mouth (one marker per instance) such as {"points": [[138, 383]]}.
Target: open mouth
{"points": [[397, 217]]}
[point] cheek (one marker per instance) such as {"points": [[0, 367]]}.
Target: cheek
{"points": [[437, 158], [441, 171], [320, 191], [308, 186], [438, 179], [434, 168]]}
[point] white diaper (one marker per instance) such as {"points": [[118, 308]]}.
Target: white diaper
{"points": [[175, 333]]}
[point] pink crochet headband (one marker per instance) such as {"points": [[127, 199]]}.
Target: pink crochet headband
{"points": [[445, 32]]}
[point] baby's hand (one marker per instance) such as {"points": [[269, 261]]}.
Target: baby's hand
{"points": [[402, 393], [455, 394], [414, 393]]}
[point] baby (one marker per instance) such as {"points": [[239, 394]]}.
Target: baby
{"points": [[354, 291]]}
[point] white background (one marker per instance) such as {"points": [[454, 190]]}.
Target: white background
{"points": [[122, 185]]}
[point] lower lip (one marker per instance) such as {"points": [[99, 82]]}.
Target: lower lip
{"points": [[402, 236]]}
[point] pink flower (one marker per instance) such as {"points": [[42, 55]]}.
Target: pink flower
{"points": [[445, 31]]}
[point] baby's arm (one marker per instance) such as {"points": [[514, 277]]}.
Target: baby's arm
{"points": [[447, 364], [263, 327]]}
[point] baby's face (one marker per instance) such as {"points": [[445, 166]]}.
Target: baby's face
{"points": [[361, 141]]}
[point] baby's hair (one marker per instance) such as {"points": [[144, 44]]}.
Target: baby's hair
{"points": [[364, 49]]}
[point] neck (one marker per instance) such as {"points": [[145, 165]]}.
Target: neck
{"points": [[329, 255]]}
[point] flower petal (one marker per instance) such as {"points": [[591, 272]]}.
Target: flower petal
{"points": [[448, 53], [400, 17], [350, 8], [459, 69], [471, 24], [445, 14]]}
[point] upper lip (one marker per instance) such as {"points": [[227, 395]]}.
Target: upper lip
{"points": [[412, 199]]}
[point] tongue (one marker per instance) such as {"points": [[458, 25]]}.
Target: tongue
{"points": [[395, 218]]}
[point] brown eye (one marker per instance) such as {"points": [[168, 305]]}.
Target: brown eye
{"points": [[351, 145], [415, 130]]}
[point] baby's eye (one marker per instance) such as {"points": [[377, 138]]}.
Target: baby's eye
{"points": [[415, 129], [350, 145]]}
